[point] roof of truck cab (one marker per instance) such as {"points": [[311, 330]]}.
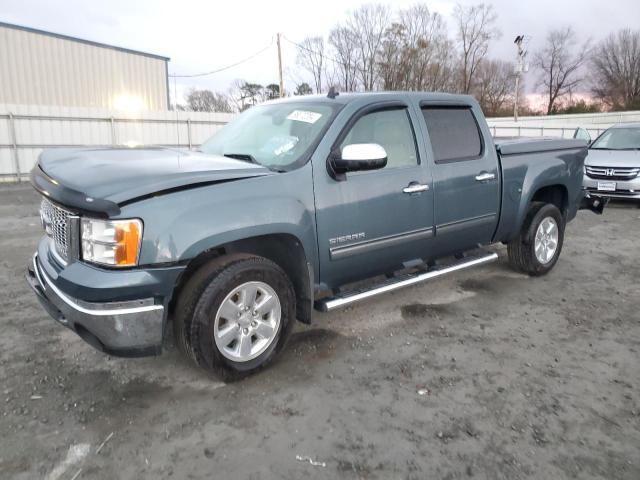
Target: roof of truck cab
{"points": [[349, 97]]}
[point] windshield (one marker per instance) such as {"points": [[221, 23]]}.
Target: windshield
{"points": [[618, 139], [279, 136]]}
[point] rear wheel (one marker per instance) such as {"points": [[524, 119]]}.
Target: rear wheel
{"points": [[536, 250], [240, 313]]}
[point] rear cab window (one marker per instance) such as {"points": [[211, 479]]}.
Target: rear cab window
{"points": [[454, 133]]}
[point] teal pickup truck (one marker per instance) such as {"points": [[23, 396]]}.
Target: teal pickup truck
{"points": [[281, 211]]}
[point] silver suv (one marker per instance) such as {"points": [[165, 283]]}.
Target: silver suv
{"points": [[612, 168]]}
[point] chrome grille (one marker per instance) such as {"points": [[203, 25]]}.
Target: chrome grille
{"points": [[55, 221], [612, 173]]}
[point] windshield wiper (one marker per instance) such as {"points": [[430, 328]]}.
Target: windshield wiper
{"points": [[245, 157]]}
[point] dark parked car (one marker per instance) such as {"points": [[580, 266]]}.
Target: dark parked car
{"points": [[283, 209]]}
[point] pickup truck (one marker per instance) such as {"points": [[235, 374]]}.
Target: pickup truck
{"points": [[282, 211]]}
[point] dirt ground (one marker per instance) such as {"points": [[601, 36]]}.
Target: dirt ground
{"points": [[486, 374]]}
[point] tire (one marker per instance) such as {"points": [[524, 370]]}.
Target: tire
{"points": [[206, 326], [522, 249], [188, 298]]}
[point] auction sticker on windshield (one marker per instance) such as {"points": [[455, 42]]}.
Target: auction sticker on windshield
{"points": [[304, 116]]}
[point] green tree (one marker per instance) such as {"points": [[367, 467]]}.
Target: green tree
{"points": [[272, 91], [246, 94], [303, 89]]}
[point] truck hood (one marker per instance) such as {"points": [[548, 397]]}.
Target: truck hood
{"points": [[613, 158], [99, 180]]}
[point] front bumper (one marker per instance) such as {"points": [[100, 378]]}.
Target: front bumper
{"points": [[120, 313], [626, 189]]}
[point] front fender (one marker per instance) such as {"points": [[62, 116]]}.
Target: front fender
{"points": [[181, 225]]}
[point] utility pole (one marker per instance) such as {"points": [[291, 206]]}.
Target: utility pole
{"points": [[515, 104], [280, 67], [521, 68]]}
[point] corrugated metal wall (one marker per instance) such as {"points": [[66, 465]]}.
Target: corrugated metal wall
{"points": [[37, 127], [42, 69]]}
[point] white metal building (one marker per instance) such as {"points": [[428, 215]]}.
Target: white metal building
{"points": [[44, 68]]}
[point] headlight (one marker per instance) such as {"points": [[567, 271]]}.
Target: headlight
{"points": [[111, 242]]}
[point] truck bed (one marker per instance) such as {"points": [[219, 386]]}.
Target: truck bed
{"points": [[522, 145], [548, 162]]}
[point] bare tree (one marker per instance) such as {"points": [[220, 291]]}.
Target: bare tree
{"points": [[494, 85], [394, 58], [208, 101], [616, 70], [237, 95], [415, 53], [311, 57], [332, 77], [476, 27], [559, 63], [432, 50], [368, 25], [342, 39]]}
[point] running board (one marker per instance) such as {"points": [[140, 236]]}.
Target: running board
{"points": [[349, 297]]}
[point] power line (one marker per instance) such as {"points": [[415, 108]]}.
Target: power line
{"points": [[322, 55], [218, 70], [293, 77]]}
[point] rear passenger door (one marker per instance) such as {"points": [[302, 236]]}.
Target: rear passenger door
{"points": [[466, 178]]}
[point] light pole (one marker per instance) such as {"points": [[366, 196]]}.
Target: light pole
{"points": [[520, 68]]}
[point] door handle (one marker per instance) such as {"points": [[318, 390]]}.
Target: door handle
{"points": [[415, 188], [483, 177]]}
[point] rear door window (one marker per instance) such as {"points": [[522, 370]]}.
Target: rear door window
{"points": [[453, 132]]}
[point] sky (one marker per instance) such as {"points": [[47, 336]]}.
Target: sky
{"points": [[202, 36]]}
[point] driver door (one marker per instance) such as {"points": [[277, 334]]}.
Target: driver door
{"points": [[371, 222]]}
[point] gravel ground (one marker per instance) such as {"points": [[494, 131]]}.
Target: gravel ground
{"points": [[486, 374]]}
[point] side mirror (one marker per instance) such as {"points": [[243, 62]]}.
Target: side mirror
{"points": [[359, 157], [582, 134]]}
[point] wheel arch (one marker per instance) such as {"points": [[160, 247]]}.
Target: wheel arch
{"points": [[556, 194], [284, 249]]}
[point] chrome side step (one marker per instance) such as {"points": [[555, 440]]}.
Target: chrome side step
{"points": [[347, 298]]}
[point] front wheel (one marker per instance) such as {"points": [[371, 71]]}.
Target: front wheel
{"points": [[241, 315], [536, 250]]}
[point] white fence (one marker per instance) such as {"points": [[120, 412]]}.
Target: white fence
{"points": [[542, 131], [559, 125], [26, 130]]}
